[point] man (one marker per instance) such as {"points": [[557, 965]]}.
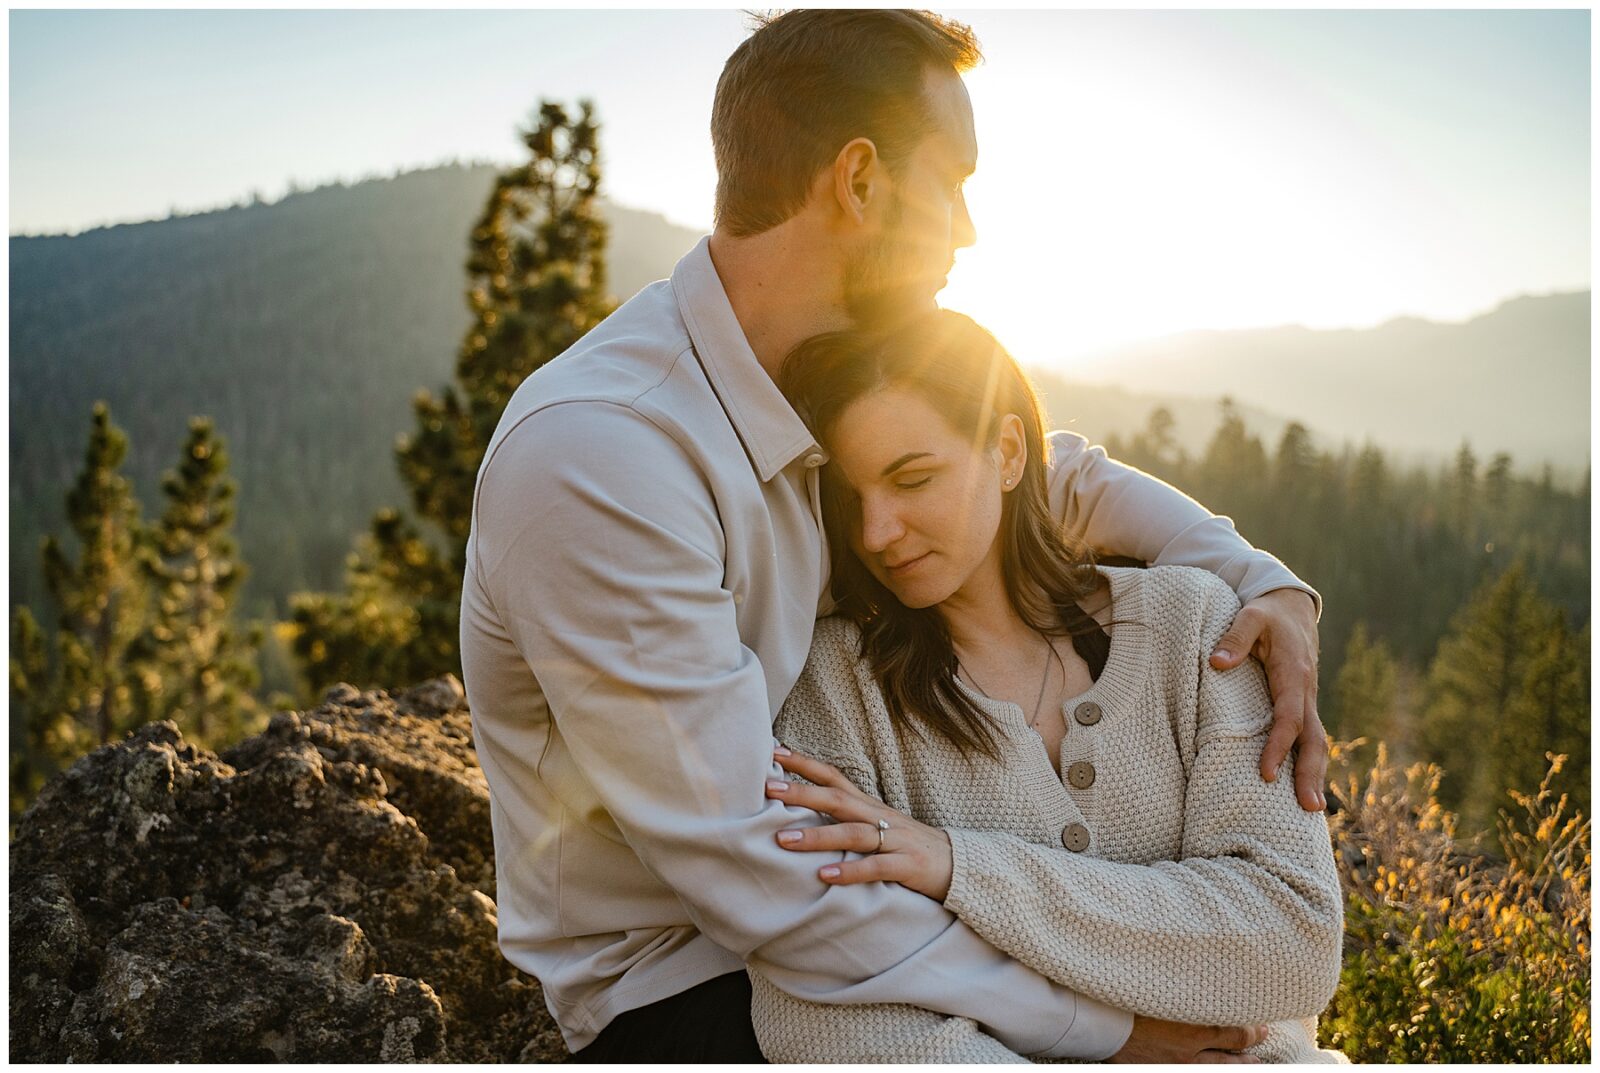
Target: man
{"points": [[646, 563]]}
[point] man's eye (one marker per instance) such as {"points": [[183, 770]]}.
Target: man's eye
{"points": [[908, 485]]}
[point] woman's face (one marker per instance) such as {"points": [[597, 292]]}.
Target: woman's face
{"points": [[924, 501]]}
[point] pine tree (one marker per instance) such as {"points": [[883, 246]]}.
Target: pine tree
{"points": [[1464, 497], [100, 599], [194, 664], [1365, 690], [44, 738], [537, 283], [1474, 721], [1551, 714]]}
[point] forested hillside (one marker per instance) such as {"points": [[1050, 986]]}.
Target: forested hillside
{"points": [[302, 327]]}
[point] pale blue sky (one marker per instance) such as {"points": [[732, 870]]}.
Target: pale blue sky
{"points": [[1167, 170]]}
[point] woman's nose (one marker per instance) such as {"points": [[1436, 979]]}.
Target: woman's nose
{"points": [[880, 527]]}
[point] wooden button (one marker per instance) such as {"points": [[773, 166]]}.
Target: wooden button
{"points": [[1075, 836], [1081, 775], [1088, 713]]}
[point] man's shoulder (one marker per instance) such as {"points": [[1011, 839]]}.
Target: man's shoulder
{"points": [[633, 377], [622, 358]]}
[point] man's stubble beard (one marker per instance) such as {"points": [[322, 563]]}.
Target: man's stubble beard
{"points": [[876, 288]]}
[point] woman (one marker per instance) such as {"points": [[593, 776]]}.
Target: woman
{"points": [[1037, 743]]}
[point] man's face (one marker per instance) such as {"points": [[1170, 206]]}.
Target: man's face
{"points": [[905, 265]]}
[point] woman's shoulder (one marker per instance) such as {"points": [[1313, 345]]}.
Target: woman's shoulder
{"points": [[836, 642], [1179, 603], [829, 711]]}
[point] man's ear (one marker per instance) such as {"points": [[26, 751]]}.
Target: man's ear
{"points": [[859, 180]]}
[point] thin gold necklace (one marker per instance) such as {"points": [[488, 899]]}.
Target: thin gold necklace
{"points": [[1044, 678]]}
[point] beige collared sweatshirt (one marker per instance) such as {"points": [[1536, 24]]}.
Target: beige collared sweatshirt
{"points": [[1158, 873]]}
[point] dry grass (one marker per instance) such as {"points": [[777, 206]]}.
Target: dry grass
{"points": [[1454, 952]]}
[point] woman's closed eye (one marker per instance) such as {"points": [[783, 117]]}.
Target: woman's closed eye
{"points": [[906, 486]]}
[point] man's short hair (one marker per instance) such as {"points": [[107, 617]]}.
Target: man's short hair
{"points": [[808, 81]]}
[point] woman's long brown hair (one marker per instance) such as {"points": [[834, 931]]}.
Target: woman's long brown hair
{"points": [[964, 374]]}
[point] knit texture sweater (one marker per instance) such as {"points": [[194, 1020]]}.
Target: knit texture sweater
{"points": [[1158, 873]]}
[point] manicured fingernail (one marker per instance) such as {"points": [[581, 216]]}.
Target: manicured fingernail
{"points": [[1223, 653], [781, 751], [776, 786], [787, 837], [830, 872]]}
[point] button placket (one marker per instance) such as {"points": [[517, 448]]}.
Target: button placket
{"points": [[1079, 750]]}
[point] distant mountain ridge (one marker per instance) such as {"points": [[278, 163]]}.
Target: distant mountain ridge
{"points": [[1513, 379], [304, 327]]}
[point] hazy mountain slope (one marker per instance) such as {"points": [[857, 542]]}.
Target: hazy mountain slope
{"points": [[1514, 379], [303, 327], [1097, 411]]}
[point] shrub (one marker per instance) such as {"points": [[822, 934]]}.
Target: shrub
{"points": [[1453, 954]]}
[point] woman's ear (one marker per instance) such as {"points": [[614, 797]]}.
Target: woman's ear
{"points": [[1013, 450]]}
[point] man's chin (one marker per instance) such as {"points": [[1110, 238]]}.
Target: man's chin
{"points": [[901, 304]]}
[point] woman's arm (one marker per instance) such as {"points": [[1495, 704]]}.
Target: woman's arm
{"points": [[1245, 928], [825, 715], [791, 1030]]}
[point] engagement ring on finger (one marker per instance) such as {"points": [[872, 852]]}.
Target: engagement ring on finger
{"points": [[883, 825]]}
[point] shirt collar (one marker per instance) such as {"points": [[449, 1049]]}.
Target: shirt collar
{"points": [[771, 431]]}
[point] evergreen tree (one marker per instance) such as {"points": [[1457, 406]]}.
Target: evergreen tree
{"points": [[194, 664], [1551, 714], [1464, 487], [101, 598], [537, 283], [1485, 719], [1365, 691], [44, 738]]}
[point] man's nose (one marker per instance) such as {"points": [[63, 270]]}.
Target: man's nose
{"points": [[963, 232]]}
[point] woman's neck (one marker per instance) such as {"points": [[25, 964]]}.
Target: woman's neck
{"points": [[980, 617]]}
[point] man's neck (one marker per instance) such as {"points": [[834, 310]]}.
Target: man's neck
{"points": [[785, 285]]}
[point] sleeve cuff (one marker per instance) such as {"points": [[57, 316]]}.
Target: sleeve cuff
{"points": [[1096, 1033], [1287, 581]]}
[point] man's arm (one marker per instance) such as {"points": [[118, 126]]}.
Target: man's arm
{"points": [[602, 551], [1119, 510]]}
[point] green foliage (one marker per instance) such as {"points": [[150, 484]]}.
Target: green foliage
{"points": [[101, 597], [43, 737], [1508, 683], [1394, 547], [143, 627], [1451, 956], [537, 283], [193, 665], [1362, 704]]}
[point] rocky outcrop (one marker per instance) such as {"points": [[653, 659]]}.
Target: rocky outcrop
{"points": [[322, 892]]}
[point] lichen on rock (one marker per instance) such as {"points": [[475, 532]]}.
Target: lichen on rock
{"points": [[321, 892]]}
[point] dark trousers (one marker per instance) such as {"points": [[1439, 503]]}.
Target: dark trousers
{"points": [[708, 1023]]}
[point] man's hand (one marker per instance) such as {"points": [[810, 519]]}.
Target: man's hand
{"points": [[1167, 1041], [1280, 629]]}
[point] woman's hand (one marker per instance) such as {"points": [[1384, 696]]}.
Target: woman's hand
{"points": [[913, 854]]}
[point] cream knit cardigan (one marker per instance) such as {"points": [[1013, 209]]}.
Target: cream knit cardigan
{"points": [[1204, 895]]}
